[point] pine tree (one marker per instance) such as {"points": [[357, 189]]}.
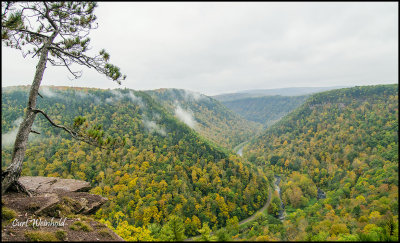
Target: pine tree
{"points": [[55, 32]]}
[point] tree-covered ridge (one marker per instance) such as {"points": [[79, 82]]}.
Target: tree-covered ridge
{"points": [[291, 91], [267, 109], [209, 117], [165, 168], [345, 143]]}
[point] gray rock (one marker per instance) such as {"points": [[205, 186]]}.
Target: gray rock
{"points": [[40, 184], [88, 203], [58, 197], [62, 204], [50, 199]]}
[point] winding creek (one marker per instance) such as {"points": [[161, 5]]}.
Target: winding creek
{"points": [[239, 148], [282, 212], [240, 151]]}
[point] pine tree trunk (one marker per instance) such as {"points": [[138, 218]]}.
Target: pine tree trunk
{"points": [[11, 175]]}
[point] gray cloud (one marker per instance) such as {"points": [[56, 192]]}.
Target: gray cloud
{"points": [[185, 116], [195, 96], [85, 95], [151, 124], [46, 91], [117, 95], [8, 139], [221, 47], [153, 127]]}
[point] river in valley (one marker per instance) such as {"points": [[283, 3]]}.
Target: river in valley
{"points": [[239, 148], [282, 212]]}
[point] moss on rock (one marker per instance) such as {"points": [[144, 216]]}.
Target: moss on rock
{"points": [[40, 236], [80, 225]]}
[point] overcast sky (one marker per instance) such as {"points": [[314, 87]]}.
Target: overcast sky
{"points": [[217, 48]]}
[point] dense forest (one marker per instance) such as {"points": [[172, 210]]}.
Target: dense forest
{"points": [[207, 116], [265, 110], [334, 160], [166, 176], [168, 164], [338, 158]]}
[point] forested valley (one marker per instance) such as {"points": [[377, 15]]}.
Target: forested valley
{"points": [[177, 174], [337, 156], [265, 110], [165, 172]]}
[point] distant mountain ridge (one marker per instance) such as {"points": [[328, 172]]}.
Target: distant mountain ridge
{"points": [[293, 91], [265, 110]]}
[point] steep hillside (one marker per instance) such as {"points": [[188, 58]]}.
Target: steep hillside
{"points": [[165, 168], [207, 116], [267, 109], [338, 158]]}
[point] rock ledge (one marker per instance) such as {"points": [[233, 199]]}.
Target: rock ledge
{"points": [[40, 184], [53, 199]]}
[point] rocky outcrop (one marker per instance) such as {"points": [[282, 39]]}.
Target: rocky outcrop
{"points": [[52, 199], [58, 197], [40, 184]]}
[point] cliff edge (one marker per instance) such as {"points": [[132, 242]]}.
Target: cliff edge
{"points": [[59, 210]]}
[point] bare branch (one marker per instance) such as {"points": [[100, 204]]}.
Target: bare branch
{"points": [[6, 8], [76, 74], [38, 51], [73, 133], [49, 18], [32, 33], [33, 131]]}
